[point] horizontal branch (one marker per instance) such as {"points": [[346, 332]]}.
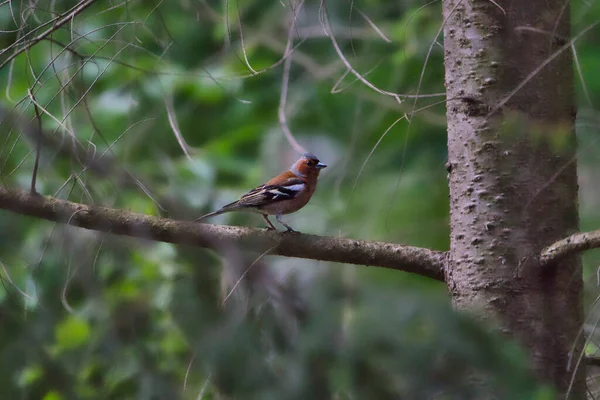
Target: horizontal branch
{"points": [[571, 245], [416, 260], [592, 361]]}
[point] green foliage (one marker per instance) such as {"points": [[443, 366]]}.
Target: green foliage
{"points": [[87, 315], [71, 334]]}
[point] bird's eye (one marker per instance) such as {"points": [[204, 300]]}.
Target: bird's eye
{"points": [[310, 163]]}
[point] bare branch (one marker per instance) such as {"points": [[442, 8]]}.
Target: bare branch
{"points": [[420, 261], [571, 245], [38, 147], [592, 361], [57, 24], [175, 126]]}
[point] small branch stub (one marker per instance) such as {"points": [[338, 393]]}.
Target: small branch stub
{"points": [[571, 245]]}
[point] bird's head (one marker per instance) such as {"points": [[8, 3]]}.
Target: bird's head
{"points": [[307, 166]]}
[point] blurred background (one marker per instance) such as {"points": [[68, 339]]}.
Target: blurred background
{"points": [[176, 108]]}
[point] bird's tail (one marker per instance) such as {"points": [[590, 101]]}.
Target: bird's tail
{"points": [[226, 208], [212, 214]]}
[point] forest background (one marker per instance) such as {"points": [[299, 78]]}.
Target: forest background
{"points": [[183, 105]]}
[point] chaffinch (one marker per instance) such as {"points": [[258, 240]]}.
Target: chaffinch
{"points": [[284, 194]]}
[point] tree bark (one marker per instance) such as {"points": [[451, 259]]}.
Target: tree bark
{"points": [[417, 260], [513, 178]]}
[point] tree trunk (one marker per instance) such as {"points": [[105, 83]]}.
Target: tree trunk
{"points": [[513, 177]]}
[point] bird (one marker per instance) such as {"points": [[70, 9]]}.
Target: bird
{"points": [[284, 194]]}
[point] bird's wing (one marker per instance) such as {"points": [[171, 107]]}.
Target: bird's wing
{"points": [[269, 193]]}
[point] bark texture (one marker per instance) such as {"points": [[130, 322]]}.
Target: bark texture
{"points": [[513, 179], [417, 260], [573, 244]]}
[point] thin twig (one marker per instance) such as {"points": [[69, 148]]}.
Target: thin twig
{"points": [[172, 117], [288, 55], [38, 144], [241, 278], [60, 21], [329, 32]]}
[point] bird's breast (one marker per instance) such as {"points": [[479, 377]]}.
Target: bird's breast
{"points": [[287, 206]]}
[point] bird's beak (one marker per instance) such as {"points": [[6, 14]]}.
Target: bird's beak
{"points": [[320, 166]]}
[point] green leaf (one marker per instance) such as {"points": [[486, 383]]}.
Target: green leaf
{"points": [[72, 333], [29, 375], [53, 396]]}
